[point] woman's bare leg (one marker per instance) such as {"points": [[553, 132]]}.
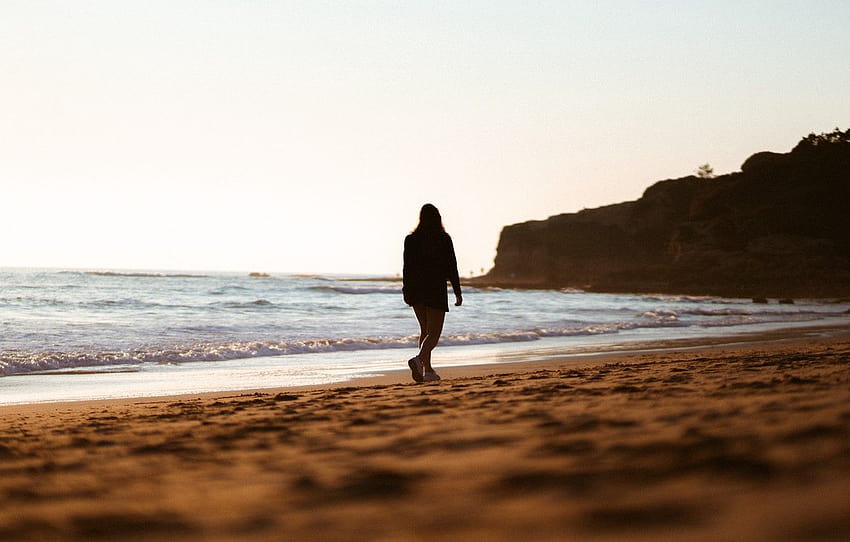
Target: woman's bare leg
{"points": [[422, 317], [430, 329]]}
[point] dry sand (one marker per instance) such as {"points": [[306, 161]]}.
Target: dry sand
{"points": [[746, 442]]}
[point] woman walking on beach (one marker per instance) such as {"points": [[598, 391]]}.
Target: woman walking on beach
{"points": [[429, 261]]}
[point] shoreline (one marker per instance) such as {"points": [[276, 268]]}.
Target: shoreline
{"points": [[591, 356]]}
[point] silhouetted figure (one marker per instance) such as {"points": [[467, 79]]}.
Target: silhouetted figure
{"points": [[429, 261]]}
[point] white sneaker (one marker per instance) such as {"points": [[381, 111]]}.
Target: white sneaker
{"points": [[430, 376], [415, 368]]}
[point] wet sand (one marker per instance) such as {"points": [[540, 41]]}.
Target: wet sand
{"points": [[742, 442]]}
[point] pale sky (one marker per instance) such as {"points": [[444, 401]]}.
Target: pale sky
{"points": [[287, 136]]}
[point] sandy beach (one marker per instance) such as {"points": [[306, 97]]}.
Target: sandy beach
{"points": [[736, 442]]}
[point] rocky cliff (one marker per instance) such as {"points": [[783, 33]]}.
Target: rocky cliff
{"points": [[780, 227]]}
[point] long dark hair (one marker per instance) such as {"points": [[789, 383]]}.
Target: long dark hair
{"points": [[430, 220]]}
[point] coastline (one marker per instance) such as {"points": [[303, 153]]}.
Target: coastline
{"points": [[526, 358], [744, 440]]}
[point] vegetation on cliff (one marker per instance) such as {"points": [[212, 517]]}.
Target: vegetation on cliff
{"points": [[780, 227]]}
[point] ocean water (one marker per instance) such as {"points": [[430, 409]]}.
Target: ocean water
{"points": [[72, 334]]}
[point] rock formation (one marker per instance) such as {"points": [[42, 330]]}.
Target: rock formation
{"points": [[780, 228]]}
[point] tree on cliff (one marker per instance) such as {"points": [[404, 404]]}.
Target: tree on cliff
{"points": [[705, 171], [835, 137]]}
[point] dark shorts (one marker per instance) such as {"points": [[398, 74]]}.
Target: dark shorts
{"points": [[433, 295]]}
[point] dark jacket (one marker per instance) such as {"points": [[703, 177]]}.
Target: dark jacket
{"points": [[429, 261]]}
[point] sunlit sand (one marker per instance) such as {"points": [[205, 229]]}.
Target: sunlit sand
{"points": [[746, 442]]}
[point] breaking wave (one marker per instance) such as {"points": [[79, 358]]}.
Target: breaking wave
{"points": [[731, 316], [357, 290], [21, 362], [140, 275]]}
